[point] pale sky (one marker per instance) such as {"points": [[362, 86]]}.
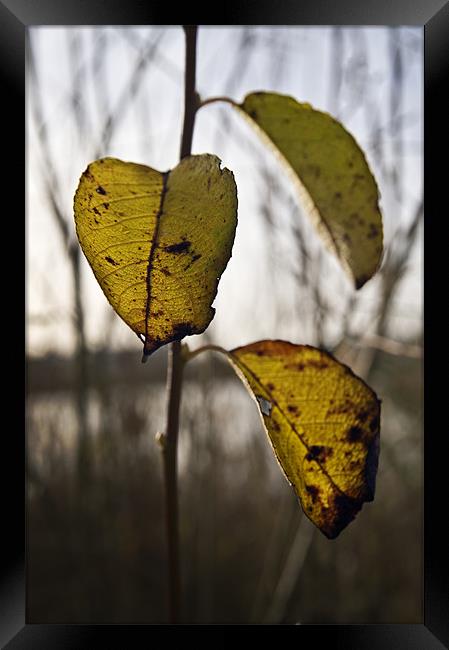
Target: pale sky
{"points": [[254, 290]]}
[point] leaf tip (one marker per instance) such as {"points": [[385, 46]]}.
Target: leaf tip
{"points": [[361, 281]]}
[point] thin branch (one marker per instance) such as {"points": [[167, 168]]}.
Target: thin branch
{"points": [[128, 94], [176, 365], [291, 570], [389, 346]]}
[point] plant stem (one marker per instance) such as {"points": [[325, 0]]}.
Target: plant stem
{"points": [[205, 348], [175, 367], [169, 449], [212, 100], [190, 96]]}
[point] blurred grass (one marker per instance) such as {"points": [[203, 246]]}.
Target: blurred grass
{"points": [[96, 549]]}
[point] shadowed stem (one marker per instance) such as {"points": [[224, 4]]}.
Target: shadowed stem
{"points": [[176, 364], [169, 450]]}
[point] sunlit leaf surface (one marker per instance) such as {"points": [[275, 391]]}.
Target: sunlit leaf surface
{"points": [[336, 185], [323, 424], [158, 242]]}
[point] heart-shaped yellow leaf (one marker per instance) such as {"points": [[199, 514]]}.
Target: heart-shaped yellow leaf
{"points": [[158, 242], [323, 424], [329, 168]]}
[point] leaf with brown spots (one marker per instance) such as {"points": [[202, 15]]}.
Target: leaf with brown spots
{"points": [[328, 167], [323, 425], [158, 242]]}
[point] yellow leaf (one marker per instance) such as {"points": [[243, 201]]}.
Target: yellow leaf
{"points": [[323, 424], [158, 242], [330, 170]]}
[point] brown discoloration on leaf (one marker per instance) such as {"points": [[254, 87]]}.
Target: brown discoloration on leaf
{"points": [[327, 448], [194, 257], [180, 330], [181, 247], [344, 407], [295, 366], [319, 452], [319, 365], [101, 190], [355, 434], [111, 261], [314, 492], [343, 510]]}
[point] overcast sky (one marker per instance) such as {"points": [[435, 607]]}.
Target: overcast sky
{"points": [[98, 63]]}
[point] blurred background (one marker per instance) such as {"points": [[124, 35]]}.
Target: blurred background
{"points": [[95, 511]]}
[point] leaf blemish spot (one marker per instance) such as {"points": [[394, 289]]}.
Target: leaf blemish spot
{"points": [[180, 330], [319, 365], [313, 491], [100, 190], [111, 261], [355, 434], [319, 452], [181, 247]]}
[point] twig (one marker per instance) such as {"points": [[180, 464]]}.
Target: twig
{"points": [[175, 366], [391, 347], [291, 571]]}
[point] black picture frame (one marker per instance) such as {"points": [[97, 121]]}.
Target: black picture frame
{"points": [[433, 15]]}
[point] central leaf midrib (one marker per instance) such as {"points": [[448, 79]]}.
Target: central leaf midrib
{"points": [[154, 242]]}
